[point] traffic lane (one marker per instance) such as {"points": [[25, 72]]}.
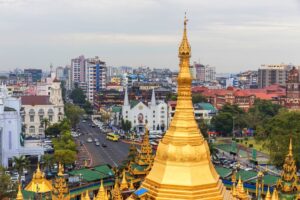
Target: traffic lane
{"points": [[113, 154], [118, 147]]}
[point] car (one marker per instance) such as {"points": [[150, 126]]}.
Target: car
{"points": [[103, 145], [81, 143], [83, 121], [96, 140], [97, 143], [89, 140]]}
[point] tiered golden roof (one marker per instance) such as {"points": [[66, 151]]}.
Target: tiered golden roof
{"points": [[268, 195], [116, 193], [39, 184], [60, 188], [288, 181], [182, 168], [240, 191], [19, 194], [102, 193], [124, 183]]}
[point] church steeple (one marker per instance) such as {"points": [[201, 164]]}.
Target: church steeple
{"points": [[182, 165], [153, 100], [126, 101]]}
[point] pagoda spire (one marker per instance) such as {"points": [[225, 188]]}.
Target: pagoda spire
{"points": [[60, 169], [19, 194], [291, 148], [182, 164], [116, 191], [275, 195], [268, 195], [124, 184], [101, 192]]}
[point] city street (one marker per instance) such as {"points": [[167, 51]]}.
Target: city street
{"points": [[114, 152]]}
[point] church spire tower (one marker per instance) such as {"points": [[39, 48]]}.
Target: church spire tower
{"points": [[126, 101], [153, 100], [182, 168]]}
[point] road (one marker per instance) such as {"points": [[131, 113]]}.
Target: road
{"points": [[113, 154]]}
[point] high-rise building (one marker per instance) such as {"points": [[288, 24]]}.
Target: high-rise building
{"points": [[272, 74], [200, 72], [33, 75], [96, 72], [210, 73], [77, 70], [60, 73]]}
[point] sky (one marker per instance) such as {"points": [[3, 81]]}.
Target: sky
{"points": [[232, 35]]}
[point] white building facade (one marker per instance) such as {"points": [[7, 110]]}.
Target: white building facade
{"points": [[12, 141], [37, 108], [155, 114]]}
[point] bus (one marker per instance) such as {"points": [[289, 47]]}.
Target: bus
{"points": [[113, 137]]}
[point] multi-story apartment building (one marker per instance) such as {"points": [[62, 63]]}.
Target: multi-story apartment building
{"points": [[77, 70], [96, 73], [272, 74], [200, 72], [210, 73]]}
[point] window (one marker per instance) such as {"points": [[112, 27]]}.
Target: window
{"points": [[9, 140], [32, 130], [50, 118], [31, 118]]}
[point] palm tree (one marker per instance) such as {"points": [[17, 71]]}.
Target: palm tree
{"points": [[45, 123], [20, 163]]}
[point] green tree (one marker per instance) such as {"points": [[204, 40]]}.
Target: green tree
{"points": [[88, 108], [7, 188], [126, 125], [45, 123], [223, 123], [53, 130], [20, 163], [65, 156], [198, 98], [73, 113], [203, 126], [63, 90], [78, 96], [105, 117], [277, 132], [48, 160]]}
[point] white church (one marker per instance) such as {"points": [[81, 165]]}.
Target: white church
{"points": [[155, 114]]}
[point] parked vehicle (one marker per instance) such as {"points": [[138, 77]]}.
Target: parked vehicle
{"points": [[89, 140], [97, 143]]}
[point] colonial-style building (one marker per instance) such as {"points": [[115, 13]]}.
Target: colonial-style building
{"points": [[292, 100], [155, 114], [37, 108], [12, 141]]}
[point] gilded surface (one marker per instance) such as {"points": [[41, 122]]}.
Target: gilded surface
{"points": [[182, 168]]}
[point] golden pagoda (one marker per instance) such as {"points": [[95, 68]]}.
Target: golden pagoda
{"points": [[60, 188], [182, 168], [240, 191], [142, 163], [102, 194], [116, 193], [275, 195], [39, 184], [124, 184], [19, 194], [287, 185], [268, 195]]}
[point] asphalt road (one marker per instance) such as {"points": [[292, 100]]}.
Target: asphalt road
{"points": [[113, 154]]}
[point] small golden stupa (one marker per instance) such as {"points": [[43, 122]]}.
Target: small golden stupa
{"points": [[39, 184], [182, 168], [102, 194], [60, 188], [19, 194]]}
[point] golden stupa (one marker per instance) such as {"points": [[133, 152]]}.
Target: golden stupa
{"points": [[182, 168], [39, 184]]}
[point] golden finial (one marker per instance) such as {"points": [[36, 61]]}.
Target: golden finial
{"points": [[124, 184], [131, 187], [291, 147], [101, 192], [184, 48], [116, 191], [60, 169], [275, 195], [85, 163], [268, 195], [19, 194], [87, 196]]}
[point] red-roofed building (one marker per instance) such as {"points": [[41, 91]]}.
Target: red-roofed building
{"points": [[243, 98]]}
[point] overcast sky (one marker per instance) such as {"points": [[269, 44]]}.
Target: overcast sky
{"points": [[232, 35]]}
